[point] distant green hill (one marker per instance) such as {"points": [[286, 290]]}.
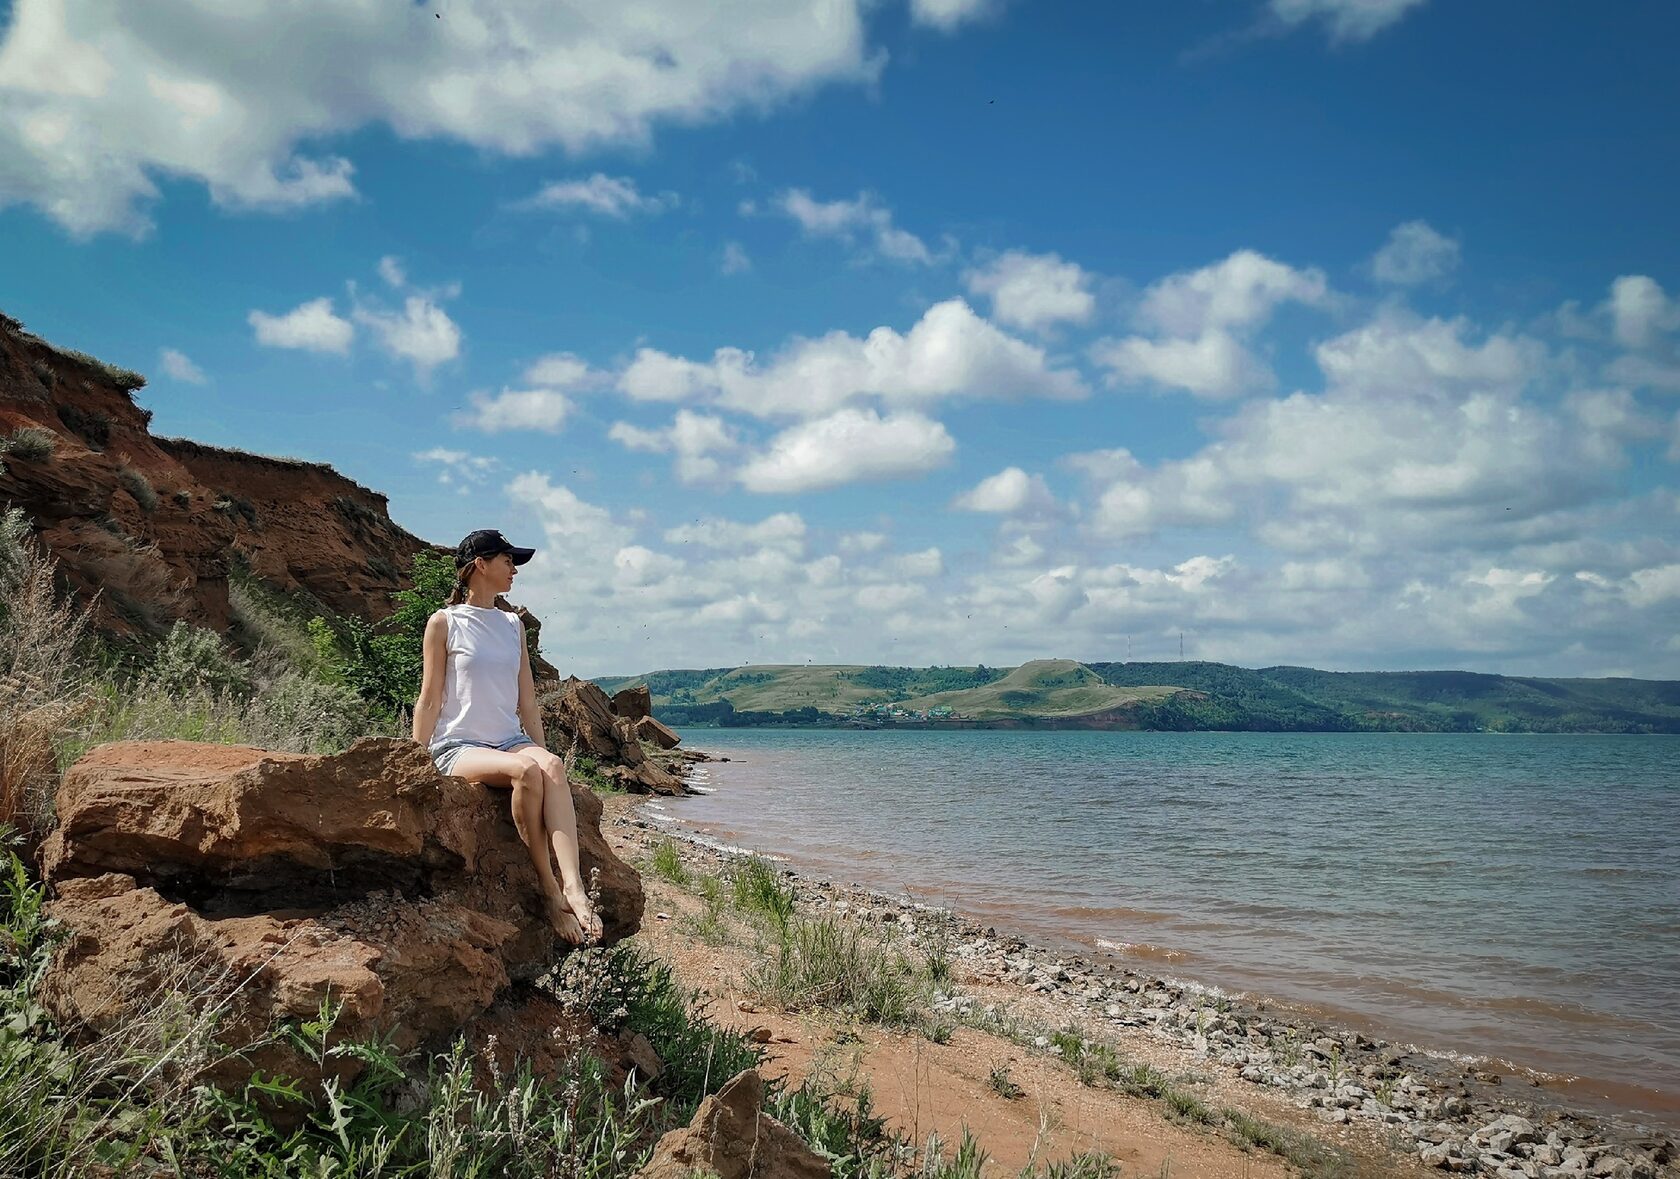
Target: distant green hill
{"points": [[1181, 696]]}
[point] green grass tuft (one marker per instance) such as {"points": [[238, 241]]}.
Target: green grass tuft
{"points": [[668, 863]]}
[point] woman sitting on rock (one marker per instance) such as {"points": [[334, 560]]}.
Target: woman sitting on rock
{"points": [[478, 715]]}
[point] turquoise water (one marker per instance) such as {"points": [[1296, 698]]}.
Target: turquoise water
{"points": [[1515, 897]]}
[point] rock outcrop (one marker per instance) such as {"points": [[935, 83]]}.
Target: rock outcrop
{"points": [[157, 524], [279, 881], [733, 1138], [659, 734], [582, 712], [633, 703]]}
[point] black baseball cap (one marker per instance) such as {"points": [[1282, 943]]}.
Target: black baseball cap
{"points": [[487, 542]]}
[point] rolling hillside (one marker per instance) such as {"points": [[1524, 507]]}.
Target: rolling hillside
{"points": [[1174, 696]]}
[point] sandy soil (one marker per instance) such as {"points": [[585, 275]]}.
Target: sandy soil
{"points": [[921, 1087]]}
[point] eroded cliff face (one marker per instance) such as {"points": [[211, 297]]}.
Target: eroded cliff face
{"points": [[155, 524]]}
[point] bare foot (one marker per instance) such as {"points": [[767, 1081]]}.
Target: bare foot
{"points": [[578, 902], [566, 925]]}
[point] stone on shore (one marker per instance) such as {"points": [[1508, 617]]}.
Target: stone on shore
{"points": [[272, 882], [661, 735], [582, 712], [733, 1138]]}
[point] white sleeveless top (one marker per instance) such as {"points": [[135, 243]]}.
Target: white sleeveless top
{"points": [[481, 683]]}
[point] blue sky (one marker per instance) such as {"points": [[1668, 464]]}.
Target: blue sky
{"points": [[1338, 332]]}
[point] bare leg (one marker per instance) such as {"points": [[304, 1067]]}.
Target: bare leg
{"points": [[495, 768], [559, 818]]}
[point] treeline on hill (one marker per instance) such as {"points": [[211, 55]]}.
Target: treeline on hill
{"points": [[1212, 696]]}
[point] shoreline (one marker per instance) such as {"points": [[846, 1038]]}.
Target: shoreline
{"points": [[1456, 1112]]}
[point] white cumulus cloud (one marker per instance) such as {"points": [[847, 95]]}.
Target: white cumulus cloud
{"points": [[610, 196], [1414, 253], [849, 445], [946, 15], [700, 443], [177, 366], [1033, 291], [421, 333], [313, 327], [862, 218], [100, 99], [1010, 492], [543, 410], [949, 353], [1200, 321]]}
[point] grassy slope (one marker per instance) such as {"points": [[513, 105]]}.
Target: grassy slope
{"points": [[1044, 687]]}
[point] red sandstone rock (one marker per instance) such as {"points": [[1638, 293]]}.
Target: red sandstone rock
{"points": [[633, 703], [661, 735], [581, 711], [279, 880], [733, 1138]]}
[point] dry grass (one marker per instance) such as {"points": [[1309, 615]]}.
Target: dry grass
{"points": [[41, 693]]}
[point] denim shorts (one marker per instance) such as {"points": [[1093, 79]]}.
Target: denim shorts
{"points": [[444, 753]]}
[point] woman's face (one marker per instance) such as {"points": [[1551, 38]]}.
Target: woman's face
{"points": [[498, 571]]}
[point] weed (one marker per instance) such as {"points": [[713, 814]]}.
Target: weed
{"points": [[42, 693], [138, 486], [757, 888], [827, 963], [1001, 1083], [30, 444], [668, 863]]}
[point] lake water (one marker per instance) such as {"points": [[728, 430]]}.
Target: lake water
{"points": [[1515, 897]]}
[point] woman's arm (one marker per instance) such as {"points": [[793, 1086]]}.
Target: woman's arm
{"points": [[530, 713], [434, 654]]}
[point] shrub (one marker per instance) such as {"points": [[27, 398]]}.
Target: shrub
{"points": [[94, 427], [41, 691], [44, 373], [232, 505], [383, 664], [138, 486], [619, 988], [301, 714], [193, 660], [30, 443]]}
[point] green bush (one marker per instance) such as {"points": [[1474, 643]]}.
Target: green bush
{"points": [[382, 663], [31, 444], [191, 659]]}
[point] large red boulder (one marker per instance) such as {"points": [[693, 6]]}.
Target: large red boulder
{"points": [[278, 881], [583, 714]]}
